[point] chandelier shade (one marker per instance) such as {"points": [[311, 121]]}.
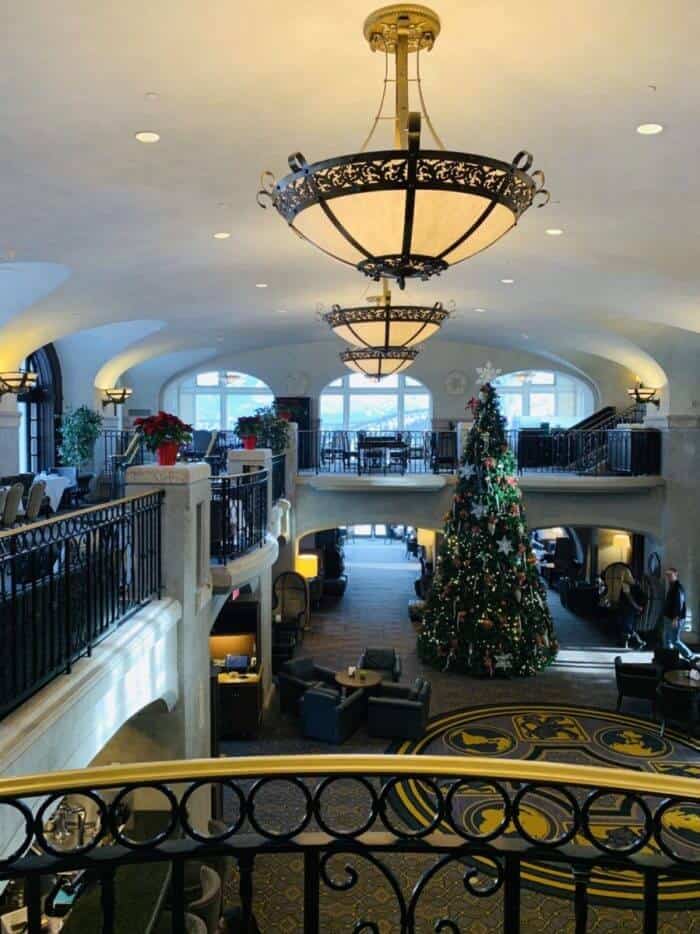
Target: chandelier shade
{"points": [[378, 362], [405, 212], [390, 326], [16, 382]]}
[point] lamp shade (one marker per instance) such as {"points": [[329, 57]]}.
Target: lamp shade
{"points": [[307, 565], [18, 381], [642, 393], [388, 326], [377, 363]]}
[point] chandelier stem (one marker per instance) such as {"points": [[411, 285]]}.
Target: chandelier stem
{"points": [[401, 124]]}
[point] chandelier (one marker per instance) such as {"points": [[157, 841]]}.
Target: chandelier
{"points": [[385, 334], [405, 212]]}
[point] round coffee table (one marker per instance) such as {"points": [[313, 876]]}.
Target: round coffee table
{"points": [[683, 678], [363, 678]]}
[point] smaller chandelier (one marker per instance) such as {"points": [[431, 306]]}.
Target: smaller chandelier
{"points": [[15, 382], [386, 325], [376, 363], [115, 396], [643, 395]]}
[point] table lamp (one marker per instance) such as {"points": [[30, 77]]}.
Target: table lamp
{"points": [[307, 565]]}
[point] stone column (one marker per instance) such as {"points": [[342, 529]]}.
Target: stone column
{"points": [[187, 578], [9, 435]]}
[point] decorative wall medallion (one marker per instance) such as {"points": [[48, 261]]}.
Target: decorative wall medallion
{"points": [[456, 383], [297, 383]]}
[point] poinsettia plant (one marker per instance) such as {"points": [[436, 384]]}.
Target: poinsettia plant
{"points": [[163, 428]]}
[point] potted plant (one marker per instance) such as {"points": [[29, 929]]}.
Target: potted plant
{"points": [[273, 428], [164, 433], [247, 430], [80, 429]]}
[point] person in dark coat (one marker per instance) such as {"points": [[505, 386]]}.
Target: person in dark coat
{"points": [[630, 610], [674, 614]]}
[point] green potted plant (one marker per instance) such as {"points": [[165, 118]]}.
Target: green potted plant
{"points": [[247, 430], [80, 429], [164, 433], [273, 429]]}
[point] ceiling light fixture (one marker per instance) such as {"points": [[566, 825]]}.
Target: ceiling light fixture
{"points": [[643, 395], [221, 235], [147, 136], [650, 129], [282, 311], [376, 363], [481, 311], [554, 231], [16, 382], [405, 212], [508, 281], [261, 285]]}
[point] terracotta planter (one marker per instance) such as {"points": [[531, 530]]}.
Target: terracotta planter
{"points": [[250, 442], [166, 453]]}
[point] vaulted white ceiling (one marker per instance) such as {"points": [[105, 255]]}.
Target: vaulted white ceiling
{"points": [[123, 231]]}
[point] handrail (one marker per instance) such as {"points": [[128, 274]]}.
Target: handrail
{"points": [[178, 770], [63, 516]]}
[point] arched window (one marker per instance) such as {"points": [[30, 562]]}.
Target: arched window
{"points": [[217, 398], [531, 398], [40, 409], [357, 403]]}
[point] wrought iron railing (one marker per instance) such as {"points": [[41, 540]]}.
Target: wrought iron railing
{"points": [[397, 818], [67, 582], [279, 465], [115, 443], [238, 514], [383, 452]]}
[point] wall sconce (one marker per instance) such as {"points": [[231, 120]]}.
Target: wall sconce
{"points": [[642, 395], [16, 382], [116, 396]]}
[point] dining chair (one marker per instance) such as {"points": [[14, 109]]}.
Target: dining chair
{"points": [[37, 492], [12, 504]]}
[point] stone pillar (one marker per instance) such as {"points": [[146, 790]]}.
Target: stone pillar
{"points": [[9, 435], [681, 514], [187, 578]]}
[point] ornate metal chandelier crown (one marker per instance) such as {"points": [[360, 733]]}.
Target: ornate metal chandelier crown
{"points": [[406, 212]]}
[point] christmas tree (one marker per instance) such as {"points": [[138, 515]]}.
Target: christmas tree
{"points": [[487, 612]]}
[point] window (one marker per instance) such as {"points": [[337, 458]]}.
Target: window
{"points": [[39, 411], [357, 403], [215, 399], [530, 398]]}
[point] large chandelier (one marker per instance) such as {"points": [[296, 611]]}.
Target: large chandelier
{"points": [[377, 362], [405, 212]]}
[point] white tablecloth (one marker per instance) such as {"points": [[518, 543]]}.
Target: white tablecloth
{"points": [[55, 488]]}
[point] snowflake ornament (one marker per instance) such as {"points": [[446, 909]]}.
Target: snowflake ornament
{"points": [[504, 661], [488, 373], [505, 546], [478, 510]]}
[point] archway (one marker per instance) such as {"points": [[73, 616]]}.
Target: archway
{"points": [[215, 399], [40, 409]]}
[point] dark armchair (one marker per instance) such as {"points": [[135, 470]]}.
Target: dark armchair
{"points": [[636, 679], [399, 711], [296, 677], [679, 705], [290, 601], [385, 660], [325, 716]]}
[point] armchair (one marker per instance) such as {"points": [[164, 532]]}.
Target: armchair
{"points": [[296, 677], [399, 711], [290, 600], [325, 716], [636, 679], [679, 705], [384, 660]]}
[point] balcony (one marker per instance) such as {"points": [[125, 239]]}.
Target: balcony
{"points": [[328, 827]]}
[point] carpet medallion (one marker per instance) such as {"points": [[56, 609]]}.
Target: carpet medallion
{"points": [[577, 735]]}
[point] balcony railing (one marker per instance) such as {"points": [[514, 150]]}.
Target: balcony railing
{"points": [[279, 464], [68, 582], [371, 452], [238, 514], [610, 452], [347, 818]]}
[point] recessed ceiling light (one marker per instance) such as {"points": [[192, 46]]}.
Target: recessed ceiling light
{"points": [[222, 235], [554, 231], [281, 311], [480, 310], [507, 281], [261, 285], [650, 129], [525, 337], [147, 136], [151, 95]]}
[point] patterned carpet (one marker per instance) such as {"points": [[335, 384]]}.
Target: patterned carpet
{"points": [[559, 733]]}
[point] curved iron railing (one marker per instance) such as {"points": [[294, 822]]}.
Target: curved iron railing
{"points": [[300, 817]]}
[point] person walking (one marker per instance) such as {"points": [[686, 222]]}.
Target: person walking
{"points": [[630, 609], [674, 614]]}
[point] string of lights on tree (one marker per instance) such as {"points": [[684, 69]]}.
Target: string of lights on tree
{"points": [[487, 612]]}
